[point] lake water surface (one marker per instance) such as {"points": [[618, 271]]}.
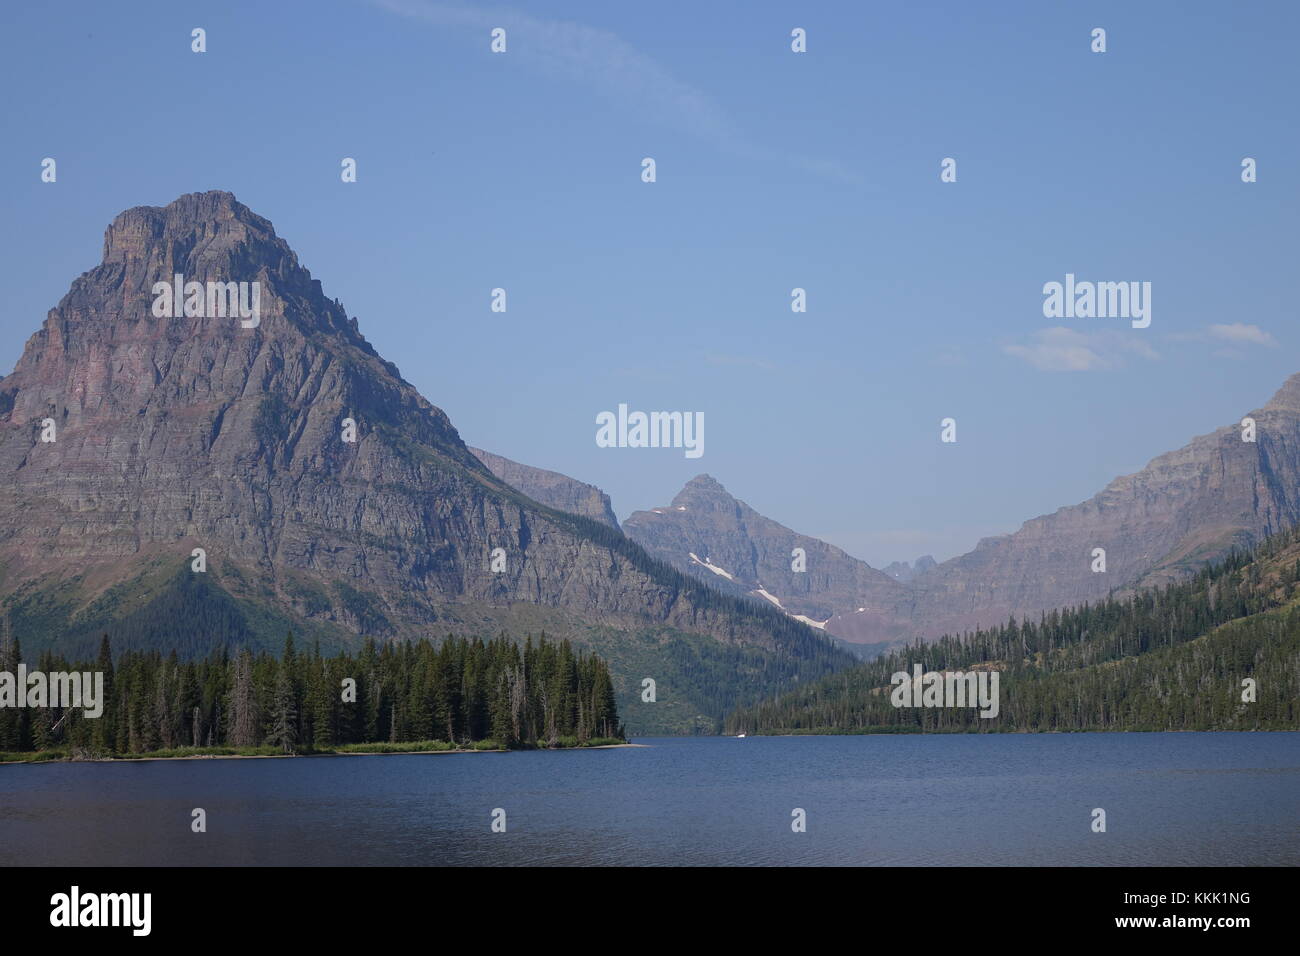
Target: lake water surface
{"points": [[998, 799]]}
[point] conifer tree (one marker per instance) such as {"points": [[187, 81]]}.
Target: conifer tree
{"points": [[283, 731]]}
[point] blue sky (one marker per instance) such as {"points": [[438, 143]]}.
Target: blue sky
{"points": [[775, 170]]}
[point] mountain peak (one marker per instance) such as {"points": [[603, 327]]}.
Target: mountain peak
{"points": [[204, 237], [702, 489], [211, 218], [1286, 398], [906, 573], [708, 533]]}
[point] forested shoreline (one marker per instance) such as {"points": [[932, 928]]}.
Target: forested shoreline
{"points": [[1166, 659], [401, 697]]}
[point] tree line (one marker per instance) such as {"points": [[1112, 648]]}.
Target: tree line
{"points": [[461, 692], [1171, 658]]}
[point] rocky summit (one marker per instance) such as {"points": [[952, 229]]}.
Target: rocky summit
{"points": [[181, 477], [707, 532]]}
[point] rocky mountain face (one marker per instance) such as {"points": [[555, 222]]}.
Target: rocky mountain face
{"points": [[708, 533], [324, 492], [551, 488]]}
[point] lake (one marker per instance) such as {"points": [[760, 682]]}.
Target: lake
{"points": [[997, 799]]}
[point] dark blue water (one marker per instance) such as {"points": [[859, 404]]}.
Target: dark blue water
{"points": [[1171, 799]]}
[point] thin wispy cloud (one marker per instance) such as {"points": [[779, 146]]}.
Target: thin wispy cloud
{"points": [[612, 67], [1232, 340], [1061, 349], [1239, 333]]}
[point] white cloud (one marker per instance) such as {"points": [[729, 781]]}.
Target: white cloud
{"points": [[612, 67], [1061, 349], [1239, 333], [584, 54]]}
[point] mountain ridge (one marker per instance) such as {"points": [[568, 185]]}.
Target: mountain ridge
{"points": [[551, 488], [1185, 508]]}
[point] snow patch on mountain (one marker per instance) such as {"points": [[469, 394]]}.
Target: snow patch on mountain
{"points": [[763, 592], [712, 567]]}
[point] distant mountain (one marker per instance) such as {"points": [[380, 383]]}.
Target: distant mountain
{"points": [[904, 572], [708, 533], [134, 445], [551, 488], [1184, 509]]}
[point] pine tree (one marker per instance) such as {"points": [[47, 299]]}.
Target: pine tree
{"points": [[283, 732], [242, 707], [11, 735], [103, 736], [325, 704]]}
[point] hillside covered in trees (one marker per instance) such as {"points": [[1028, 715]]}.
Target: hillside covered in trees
{"points": [[461, 693], [1173, 658]]}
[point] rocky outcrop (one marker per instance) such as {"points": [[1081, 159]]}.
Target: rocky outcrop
{"points": [[551, 488]]}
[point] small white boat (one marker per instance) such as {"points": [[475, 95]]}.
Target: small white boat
{"points": [[738, 736]]}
